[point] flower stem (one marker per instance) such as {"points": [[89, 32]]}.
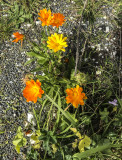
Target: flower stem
{"points": [[34, 112], [21, 42], [67, 107]]}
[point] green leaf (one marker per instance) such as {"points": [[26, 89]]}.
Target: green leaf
{"points": [[64, 131], [71, 64], [16, 141], [19, 140], [19, 135], [77, 133], [64, 80], [85, 142], [28, 62], [21, 20], [62, 111], [68, 157], [92, 151], [54, 148], [36, 69], [42, 60], [36, 55], [17, 149], [108, 94], [35, 138], [36, 49], [1, 132], [27, 16], [19, 129], [104, 115], [16, 7]]}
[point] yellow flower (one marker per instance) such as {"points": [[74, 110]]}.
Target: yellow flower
{"points": [[33, 90], [57, 19], [18, 37], [57, 42], [75, 96], [45, 17]]}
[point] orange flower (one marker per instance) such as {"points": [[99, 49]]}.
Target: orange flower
{"points": [[33, 90], [57, 19], [45, 17], [75, 96], [18, 37]]}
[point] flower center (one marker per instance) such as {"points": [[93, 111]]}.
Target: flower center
{"points": [[35, 90]]}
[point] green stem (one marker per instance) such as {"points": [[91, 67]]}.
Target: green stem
{"points": [[47, 31], [41, 107], [48, 116], [45, 155], [63, 112], [57, 29], [34, 112]]}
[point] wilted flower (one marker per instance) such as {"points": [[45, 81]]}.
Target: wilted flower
{"points": [[28, 133], [33, 90], [30, 118], [18, 37], [27, 78], [57, 19], [45, 17], [66, 60], [75, 96], [57, 42], [114, 102]]}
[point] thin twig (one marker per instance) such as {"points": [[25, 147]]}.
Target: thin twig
{"points": [[67, 107], [83, 50], [120, 65], [78, 33]]}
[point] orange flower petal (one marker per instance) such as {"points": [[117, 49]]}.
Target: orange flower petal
{"points": [[57, 19], [33, 90], [18, 37], [75, 96], [45, 17]]}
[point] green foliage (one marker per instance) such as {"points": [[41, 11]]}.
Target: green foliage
{"points": [[35, 139], [5, 30], [80, 78], [104, 115], [52, 137], [95, 9], [79, 156], [32, 155], [20, 13], [67, 115], [83, 141], [48, 139], [55, 71], [19, 140]]}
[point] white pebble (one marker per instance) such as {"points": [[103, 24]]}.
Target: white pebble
{"points": [[107, 29], [28, 25]]}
